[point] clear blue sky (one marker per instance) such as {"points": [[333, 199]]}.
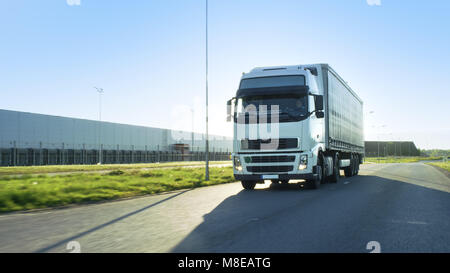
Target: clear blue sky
{"points": [[149, 57]]}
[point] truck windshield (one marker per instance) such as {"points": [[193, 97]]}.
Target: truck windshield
{"points": [[290, 108]]}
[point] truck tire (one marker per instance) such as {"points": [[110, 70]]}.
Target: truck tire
{"points": [[320, 163], [248, 184], [315, 183], [334, 178], [350, 170], [357, 165]]}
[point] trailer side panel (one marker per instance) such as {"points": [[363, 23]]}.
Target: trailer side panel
{"points": [[344, 115]]}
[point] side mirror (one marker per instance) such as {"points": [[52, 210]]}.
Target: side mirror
{"points": [[229, 110], [318, 102], [320, 114]]}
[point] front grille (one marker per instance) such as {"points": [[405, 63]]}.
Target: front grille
{"points": [[269, 169], [255, 144], [270, 159]]}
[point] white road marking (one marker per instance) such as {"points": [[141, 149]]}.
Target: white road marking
{"points": [[417, 223], [409, 222]]}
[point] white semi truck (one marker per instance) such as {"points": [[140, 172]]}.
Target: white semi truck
{"points": [[295, 122]]}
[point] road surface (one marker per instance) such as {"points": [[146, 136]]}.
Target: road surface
{"points": [[403, 207]]}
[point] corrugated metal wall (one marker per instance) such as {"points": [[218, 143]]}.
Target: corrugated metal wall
{"points": [[60, 140]]}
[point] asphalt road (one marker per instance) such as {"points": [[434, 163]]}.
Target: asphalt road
{"points": [[403, 207]]}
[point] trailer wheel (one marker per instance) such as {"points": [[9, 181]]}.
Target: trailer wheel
{"points": [[357, 165], [248, 184], [334, 178], [350, 170]]}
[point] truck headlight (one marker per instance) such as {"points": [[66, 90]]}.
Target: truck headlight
{"points": [[303, 162], [237, 164]]}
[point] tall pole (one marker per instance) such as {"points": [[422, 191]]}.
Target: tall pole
{"points": [[192, 133], [370, 113], [395, 147], [207, 136], [100, 92], [378, 154]]}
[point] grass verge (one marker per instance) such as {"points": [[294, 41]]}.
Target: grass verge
{"points": [[411, 159], [83, 168], [442, 165], [31, 192]]}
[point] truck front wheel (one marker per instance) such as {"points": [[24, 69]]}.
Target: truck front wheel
{"points": [[248, 184], [315, 182], [334, 178]]}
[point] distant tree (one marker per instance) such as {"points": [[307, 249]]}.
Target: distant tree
{"points": [[436, 152]]}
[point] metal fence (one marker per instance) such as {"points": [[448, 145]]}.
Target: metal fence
{"points": [[36, 157]]}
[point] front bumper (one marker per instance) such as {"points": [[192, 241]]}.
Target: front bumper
{"points": [[260, 177], [288, 168]]}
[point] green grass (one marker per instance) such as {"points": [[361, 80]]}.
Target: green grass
{"points": [[410, 159], [42, 191], [442, 165], [83, 168]]}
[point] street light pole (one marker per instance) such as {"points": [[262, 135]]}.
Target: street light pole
{"points": [[100, 92], [378, 154], [192, 133], [207, 136], [378, 142], [370, 113], [395, 145], [384, 154], [378, 138]]}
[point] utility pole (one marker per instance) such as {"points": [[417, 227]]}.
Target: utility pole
{"points": [[207, 136], [395, 148], [192, 133], [100, 92], [378, 154], [378, 136]]}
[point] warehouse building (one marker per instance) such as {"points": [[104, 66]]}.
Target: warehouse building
{"points": [[36, 139]]}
